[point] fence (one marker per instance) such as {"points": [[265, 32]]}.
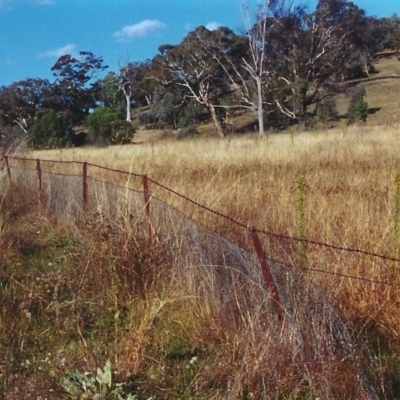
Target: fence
{"points": [[259, 268], [82, 169]]}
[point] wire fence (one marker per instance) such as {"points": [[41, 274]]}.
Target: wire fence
{"points": [[140, 183], [242, 268]]}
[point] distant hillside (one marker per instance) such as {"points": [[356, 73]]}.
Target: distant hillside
{"points": [[382, 95]]}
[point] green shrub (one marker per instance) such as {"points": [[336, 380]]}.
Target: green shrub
{"points": [[84, 385], [50, 131], [108, 125], [359, 111], [358, 108]]}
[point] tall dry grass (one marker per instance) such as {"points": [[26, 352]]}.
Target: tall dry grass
{"points": [[350, 200], [350, 173]]}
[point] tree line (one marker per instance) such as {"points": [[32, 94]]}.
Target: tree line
{"points": [[285, 68]]}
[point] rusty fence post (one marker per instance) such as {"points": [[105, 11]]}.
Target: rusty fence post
{"points": [[39, 173], [146, 194], [84, 186], [269, 280], [8, 168]]}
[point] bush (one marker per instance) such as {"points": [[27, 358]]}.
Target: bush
{"points": [[358, 108], [359, 112], [50, 131], [108, 125]]}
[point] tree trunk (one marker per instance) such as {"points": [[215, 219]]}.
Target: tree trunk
{"points": [[260, 112], [128, 108], [216, 120]]}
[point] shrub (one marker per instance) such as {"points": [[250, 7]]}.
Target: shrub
{"points": [[359, 111], [109, 125], [50, 131], [358, 108]]}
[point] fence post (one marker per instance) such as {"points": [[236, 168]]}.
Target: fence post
{"points": [[84, 186], [267, 273], [39, 172], [146, 195], [8, 168]]}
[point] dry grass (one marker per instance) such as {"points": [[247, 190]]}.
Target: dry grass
{"points": [[350, 202], [350, 174], [382, 94], [74, 294]]}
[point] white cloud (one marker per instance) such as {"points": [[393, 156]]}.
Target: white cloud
{"points": [[140, 29], [213, 26], [60, 51]]}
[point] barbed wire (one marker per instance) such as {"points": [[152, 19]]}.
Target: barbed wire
{"points": [[217, 213], [332, 246], [116, 170], [322, 271], [277, 235], [41, 160]]}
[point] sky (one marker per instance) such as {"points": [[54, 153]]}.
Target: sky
{"points": [[35, 33]]}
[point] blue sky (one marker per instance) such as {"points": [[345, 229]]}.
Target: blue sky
{"points": [[34, 33]]}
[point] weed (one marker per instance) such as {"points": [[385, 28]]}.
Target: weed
{"points": [[78, 385]]}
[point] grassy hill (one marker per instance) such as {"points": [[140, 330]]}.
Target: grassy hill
{"points": [[382, 92]]}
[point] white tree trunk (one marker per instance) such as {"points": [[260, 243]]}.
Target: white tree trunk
{"points": [[128, 107], [260, 110], [216, 120]]}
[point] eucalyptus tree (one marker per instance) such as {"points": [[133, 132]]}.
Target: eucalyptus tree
{"points": [[245, 59], [257, 64], [109, 93], [136, 85], [127, 78], [309, 53], [190, 66], [22, 102], [73, 76]]}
